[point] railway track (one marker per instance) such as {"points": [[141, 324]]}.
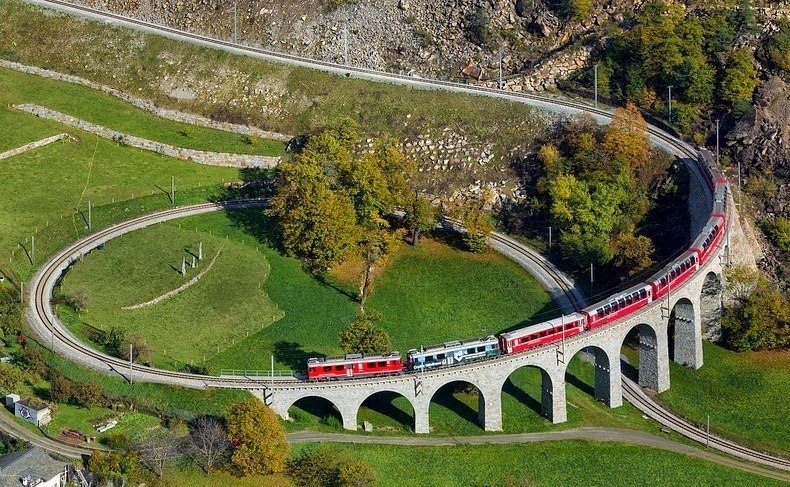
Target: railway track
{"points": [[46, 324], [636, 396]]}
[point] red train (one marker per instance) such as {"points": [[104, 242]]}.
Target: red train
{"points": [[600, 314]]}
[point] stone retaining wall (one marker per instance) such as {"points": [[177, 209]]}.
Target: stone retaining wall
{"points": [[33, 145], [148, 106], [200, 157]]}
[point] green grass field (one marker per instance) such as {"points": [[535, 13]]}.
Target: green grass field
{"points": [[85, 420], [745, 394], [430, 294], [567, 463]]}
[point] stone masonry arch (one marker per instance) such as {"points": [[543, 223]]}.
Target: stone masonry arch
{"points": [[315, 403], [711, 305], [608, 375], [653, 354], [489, 402], [552, 389], [684, 334]]}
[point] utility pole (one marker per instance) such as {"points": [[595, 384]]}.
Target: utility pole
{"points": [[591, 279], [90, 226], [345, 42], [549, 238], [33, 249], [131, 382], [707, 435], [235, 23], [595, 68], [670, 103], [173, 190], [272, 370], [717, 142], [500, 68]]}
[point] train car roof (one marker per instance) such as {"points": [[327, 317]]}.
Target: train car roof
{"points": [[452, 346], [609, 299], [527, 330], [351, 358]]}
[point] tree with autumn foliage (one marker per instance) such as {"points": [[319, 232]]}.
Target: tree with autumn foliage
{"points": [[625, 140], [259, 440], [363, 336]]}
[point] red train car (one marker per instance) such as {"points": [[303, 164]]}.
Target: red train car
{"points": [[674, 275], [709, 239], [541, 334], [618, 306], [353, 365]]}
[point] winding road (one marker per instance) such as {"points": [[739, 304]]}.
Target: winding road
{"points": [[50, 331]]}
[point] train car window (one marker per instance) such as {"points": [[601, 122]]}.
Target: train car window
{"points": [[481, 349], [327, 369], [642, 293], [663, 281], [600, 312], [607, 308], [629, 300], [621, 302]]}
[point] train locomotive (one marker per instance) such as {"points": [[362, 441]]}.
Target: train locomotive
{"points": [[553, 331]]}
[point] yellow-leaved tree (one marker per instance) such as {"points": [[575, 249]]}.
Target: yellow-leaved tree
{"points": [[260, 445]]}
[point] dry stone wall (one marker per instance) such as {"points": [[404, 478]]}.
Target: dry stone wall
{"points": [[200, 157], [174, 115], [34, 145]]}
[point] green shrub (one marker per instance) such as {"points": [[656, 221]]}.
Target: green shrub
{"points": [[781, 233]]}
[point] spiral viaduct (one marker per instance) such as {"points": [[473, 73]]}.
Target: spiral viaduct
{"points": [[602, 345]]}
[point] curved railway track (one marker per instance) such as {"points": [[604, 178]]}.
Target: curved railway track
{"points": [[46, 325], [636, 396]]}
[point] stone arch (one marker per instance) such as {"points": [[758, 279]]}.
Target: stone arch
{"points": [[451, 396], [533, 387], [653, 367], [684, 334], [710, 305], [607, 387], [320, 407], [383, 402]]}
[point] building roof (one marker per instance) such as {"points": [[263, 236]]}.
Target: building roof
{"points": [[33, 463]]}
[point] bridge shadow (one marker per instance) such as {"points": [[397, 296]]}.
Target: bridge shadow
{"points": [[629, 370], [321, 411], [292, 355], [384, 404], [579, 384], [521, 396], [446, 397]]}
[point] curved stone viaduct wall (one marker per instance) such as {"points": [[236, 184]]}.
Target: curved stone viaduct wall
{"points": [[669, 327]]}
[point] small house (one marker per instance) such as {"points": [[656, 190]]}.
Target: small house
{"points": [[33, 411]]}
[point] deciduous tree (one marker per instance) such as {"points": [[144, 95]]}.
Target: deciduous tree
{"points": [[159, 449], [363, 336], [420, 217], [259, 439], [740, 77], [209, 441]]}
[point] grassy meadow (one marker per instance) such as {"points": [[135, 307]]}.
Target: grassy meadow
{"points": [[745, 394], [428, 294], [566, 463]]}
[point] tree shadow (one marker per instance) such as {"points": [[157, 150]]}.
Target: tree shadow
{"points": [[445, 397], [521, 396], [579, 384], [383, 403], [328, 283], [292, 355], [449, 237]]}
